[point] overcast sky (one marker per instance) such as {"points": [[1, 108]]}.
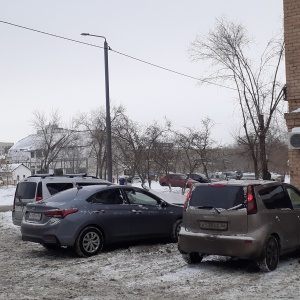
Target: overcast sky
{"points": [[40, 72]]}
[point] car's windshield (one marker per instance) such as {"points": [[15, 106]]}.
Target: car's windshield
{"points": [[220, 196], [67, 195]]}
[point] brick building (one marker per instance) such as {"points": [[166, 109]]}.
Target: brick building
{"points": [[292, 61]]}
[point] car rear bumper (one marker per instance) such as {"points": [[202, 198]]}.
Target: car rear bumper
{"points": [[240, 246], [47, 234]]}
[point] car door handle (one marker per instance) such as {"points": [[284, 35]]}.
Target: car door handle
{"points": [[136, 211], [99, 211]]}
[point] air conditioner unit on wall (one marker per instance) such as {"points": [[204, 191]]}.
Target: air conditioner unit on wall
{"points": [[294, 139]]}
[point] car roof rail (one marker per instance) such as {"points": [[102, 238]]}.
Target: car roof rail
{"points": [[83, 175], [42, 175]]}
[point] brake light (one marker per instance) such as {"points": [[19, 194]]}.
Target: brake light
{"points": [[60, 213], [187, 199], [38, 198], [251, 203]]}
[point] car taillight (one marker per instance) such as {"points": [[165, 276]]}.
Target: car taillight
{"points": [[38, 198], [251, 203], [187, 199], [60, 213]]}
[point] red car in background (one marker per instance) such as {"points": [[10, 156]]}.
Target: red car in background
{"points": [[177, 180]]}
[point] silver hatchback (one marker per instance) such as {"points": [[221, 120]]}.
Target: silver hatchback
{"points": [[257, 220]]}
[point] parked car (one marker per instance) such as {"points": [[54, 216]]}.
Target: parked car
{"points": [[277, 177], [257, 220], [198, 177], [177, 180], [248, 176], [87, 218], [230, 175], [41, 186]]}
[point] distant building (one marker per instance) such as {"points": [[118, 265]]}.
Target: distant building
{"points": [[11, 174], [73, 159]]}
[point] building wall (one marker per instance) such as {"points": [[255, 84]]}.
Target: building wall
{"points": [[292, 61], [20, 173]]}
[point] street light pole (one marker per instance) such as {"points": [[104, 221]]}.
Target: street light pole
{"points": [[108, 119]]}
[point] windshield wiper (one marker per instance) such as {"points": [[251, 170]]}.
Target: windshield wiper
{"points": [[210, 206], [236, 207]]}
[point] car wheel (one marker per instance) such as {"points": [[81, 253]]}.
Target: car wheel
{"points": [[192, 258], [89, 242], [270, 255], [175, 230]]}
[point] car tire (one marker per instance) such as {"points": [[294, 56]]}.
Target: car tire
{"points": [[192, 258], [89, 242], [270, 255], [175, 230]]}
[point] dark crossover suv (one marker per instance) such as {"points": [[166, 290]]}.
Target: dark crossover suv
{"points": [[87, 218], [41, 186], [198, 177], [256, 220]]}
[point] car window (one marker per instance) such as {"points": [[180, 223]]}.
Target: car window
{"points": [[54, 188], [136, 197], [294, 196], [220, 196], [274, 197], [112, 196], [66, 196], [26, 190]]}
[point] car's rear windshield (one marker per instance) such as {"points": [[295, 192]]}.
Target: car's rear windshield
{"points": [[220, 196], [26, 190], [65, 196]]}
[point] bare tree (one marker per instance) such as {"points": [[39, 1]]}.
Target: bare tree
{"points": [[203, 144], [50, 139], [136, 144], [258, 88], [93, 123]]}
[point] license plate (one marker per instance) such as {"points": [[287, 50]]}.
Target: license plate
{"points": [[213, 225], [34, 216]]}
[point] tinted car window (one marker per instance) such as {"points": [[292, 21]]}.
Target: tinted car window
{"points": [[274, 197], [26, 190], [294, 197], [54, 188], [220, 196], [107, 197], [140, 198], [67, 195]]}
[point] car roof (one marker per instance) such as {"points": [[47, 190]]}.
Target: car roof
{"points": [[64, 178], [238, 182]]}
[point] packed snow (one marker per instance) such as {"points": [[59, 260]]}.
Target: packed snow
{"points": [[133, 271]]}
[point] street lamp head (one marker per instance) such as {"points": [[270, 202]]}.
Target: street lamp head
{"points": [[85, 34]]}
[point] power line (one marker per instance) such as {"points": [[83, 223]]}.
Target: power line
{"points": [[120, 53]]}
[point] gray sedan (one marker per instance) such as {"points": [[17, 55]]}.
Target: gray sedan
{"points": [[87, 218]]}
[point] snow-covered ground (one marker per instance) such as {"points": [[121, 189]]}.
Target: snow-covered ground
{"points": [[135, 271]]}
